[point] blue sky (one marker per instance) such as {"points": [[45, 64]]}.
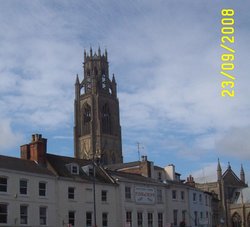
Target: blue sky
{"points": [[166, 59]]}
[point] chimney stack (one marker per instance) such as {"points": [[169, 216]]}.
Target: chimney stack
{"points": [[190, 181], [36, 150], [146, 167]]}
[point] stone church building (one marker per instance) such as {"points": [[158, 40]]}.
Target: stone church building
{"points": [[230, 208]]}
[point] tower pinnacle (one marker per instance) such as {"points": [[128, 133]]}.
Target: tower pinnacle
{"points": [[242, 174], [219, 171]]}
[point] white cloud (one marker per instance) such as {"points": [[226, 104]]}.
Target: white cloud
{"points": [[235, 142], [8, 138], [208, 173]]}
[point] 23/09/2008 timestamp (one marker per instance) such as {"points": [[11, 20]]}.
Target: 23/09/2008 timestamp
{"points": [[227, 58]]}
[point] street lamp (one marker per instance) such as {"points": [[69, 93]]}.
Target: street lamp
{"points": [[96, 155], [94, 197]]}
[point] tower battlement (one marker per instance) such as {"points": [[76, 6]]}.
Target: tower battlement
{"points": [[95, 56]]}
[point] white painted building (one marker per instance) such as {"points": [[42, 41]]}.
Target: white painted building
{"points": [[27, 194], [75, 194], [42, 189], [200, 212], [142, 200]]}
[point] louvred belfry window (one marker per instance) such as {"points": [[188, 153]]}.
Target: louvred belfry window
{"points": [[106, 119]]}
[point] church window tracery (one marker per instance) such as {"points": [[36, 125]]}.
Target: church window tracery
{"points": [[106, 119], [236, 220], [104, 81]]}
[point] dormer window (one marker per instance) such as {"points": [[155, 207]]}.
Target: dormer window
{"points": [[91, 171], [73, 168], [88, 169]]}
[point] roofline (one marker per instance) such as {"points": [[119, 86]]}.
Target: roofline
{"points": [[28, 173]]}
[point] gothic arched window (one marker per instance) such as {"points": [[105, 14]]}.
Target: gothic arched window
{"points": [[88, 81], [104, 81], [86, 119], [106, 119], [236, 220], [248, 220], [88, 84]]}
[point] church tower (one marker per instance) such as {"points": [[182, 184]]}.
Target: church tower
{"points": [[97, 130]]}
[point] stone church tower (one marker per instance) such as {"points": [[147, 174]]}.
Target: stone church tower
{"points": [[97, 130]]}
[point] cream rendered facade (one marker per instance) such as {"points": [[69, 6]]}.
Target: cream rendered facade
{"points": [[57, 201], [177, 208], [141, 203], [14, 199], [123, 199], [82, 204]]}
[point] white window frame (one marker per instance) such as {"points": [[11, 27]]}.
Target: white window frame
{"points": [[41, 189], [25, 216], [4, 185], [4, 214], [41, 217], [20, 187]]}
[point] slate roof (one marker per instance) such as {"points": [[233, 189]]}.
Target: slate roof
{"points": [[158, 168], [59, 163], [122, 165], [18, 164], [132, 176], [231, 178]]}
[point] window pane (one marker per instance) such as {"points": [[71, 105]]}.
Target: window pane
{"points": [[159, 195], [74, 169], [127, 192], [72, 218], [3, 213], [182, 195], [160, 220], [174, 194], [150, 220], [43, 215], [194, 197], [3, 184], [129, 217], [104, 196], [42, 189], [195, 218], [71, 193], [104, 219], [139, 219], [3, 180], [23, 187], [175, 214], [23, 214], [88, 219]]}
